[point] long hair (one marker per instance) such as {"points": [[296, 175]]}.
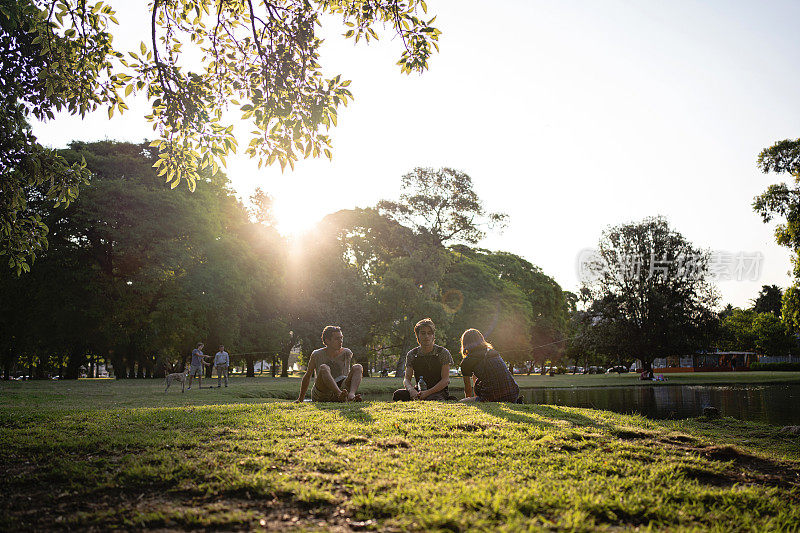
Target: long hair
{"points": [[471, 341]]}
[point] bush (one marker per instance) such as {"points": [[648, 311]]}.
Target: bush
{"points": [[776, 367]]}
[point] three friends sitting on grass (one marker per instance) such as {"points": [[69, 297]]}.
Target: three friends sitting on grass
{"points": [[427, 370]]}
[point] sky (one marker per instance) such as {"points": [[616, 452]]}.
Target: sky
{"points": [[569, 116]]}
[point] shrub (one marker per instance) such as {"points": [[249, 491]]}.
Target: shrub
{"points": [[779, 367]]}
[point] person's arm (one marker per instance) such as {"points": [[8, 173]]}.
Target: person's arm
{"points": [[468, 392], [304, 386], [440, 385], [408, 382], [306, 380]]}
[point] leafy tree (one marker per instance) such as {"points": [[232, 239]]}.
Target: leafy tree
{"points": [[442, 206], [26, 167], [771, 336], [782, 200], [651, 294], [769, 300], [736, 331], [510, 300], [749, 330], [141, 275], [262, 57]]}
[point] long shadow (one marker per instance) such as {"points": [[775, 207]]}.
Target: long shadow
{"points": [[540, 415], [575, 418], [352, 410]]}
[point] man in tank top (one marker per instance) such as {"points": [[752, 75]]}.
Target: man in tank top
{"points": [[337, 380]]}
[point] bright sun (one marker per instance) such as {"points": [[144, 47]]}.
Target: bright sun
{"points": [[291, 218]]}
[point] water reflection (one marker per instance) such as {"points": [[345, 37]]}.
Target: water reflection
{"points": [[774, 404]]}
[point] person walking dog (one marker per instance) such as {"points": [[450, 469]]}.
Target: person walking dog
{"points": [[196, 368]]}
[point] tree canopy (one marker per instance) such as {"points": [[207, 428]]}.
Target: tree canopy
{"points": [[651, 294], [782, 200], [258, 57], [442, 206], [136, 277]]}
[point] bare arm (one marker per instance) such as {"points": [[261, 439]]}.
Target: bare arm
{"points": [[440, 385], [408, 382], [468, 393], [305, 381]]}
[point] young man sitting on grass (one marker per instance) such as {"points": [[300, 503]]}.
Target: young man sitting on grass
{"points": [[428, 364], [336, 380]]}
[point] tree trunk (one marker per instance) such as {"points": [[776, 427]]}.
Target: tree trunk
{"points": [[285, 353], [251, 371], [74, 361], [365, 372], [274, 367]]}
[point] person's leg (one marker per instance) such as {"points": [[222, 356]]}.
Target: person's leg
{"points": [[219, 375], [353, 381], [401, 395], [440, 396], [225, 369], [326, 384], [471, 399]]}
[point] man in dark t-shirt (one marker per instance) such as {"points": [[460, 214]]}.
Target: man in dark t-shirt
{"points": [[427, 367]]}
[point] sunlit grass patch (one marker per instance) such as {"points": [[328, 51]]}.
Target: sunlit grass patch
{"points": [[378, 465]]}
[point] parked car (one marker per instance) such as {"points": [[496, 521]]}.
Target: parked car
{"points": [[618, 369]]}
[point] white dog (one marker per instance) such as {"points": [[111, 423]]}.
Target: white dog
{"points": [[177, 376]]}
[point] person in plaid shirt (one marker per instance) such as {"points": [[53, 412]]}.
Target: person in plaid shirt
{"points": [[493, 381]]}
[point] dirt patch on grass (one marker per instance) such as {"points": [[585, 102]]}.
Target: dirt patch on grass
{"points": [[745, 468], [631, 434], [393, 442], [350, 440], [678, 439], [152, 510]]}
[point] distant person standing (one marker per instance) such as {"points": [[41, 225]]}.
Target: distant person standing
{"points": [[197, 364], [221, 363], [493, 381], [429, 364]]}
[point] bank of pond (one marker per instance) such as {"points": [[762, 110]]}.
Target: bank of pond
{"points": [[777, 404]]}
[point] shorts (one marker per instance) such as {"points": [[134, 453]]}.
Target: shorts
{"points": [[402, 395], [326, 396], [196, 370]]}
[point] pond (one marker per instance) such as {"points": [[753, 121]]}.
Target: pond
{"points": [[774, 404]]}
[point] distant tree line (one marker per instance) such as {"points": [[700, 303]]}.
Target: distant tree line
{"points": [[135, 275]]}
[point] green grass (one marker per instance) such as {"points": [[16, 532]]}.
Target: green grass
{"points": [[105, 454], [109, 393]]}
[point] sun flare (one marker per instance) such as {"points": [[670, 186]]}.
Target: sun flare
{"points": [[291, 218]]}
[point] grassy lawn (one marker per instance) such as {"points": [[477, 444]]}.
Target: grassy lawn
{"points": [[103, 454]]}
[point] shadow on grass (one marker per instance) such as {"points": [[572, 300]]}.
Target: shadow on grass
{"points": [[352, 410], [534, 415]]}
